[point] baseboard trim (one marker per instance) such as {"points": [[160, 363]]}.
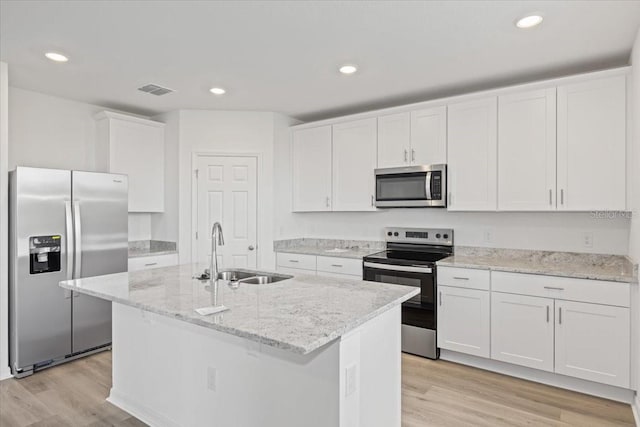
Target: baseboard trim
{"points": [[5, 373], [141, 412], [549, 378], [635, 407]]}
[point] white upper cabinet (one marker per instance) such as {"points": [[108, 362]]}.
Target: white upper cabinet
{"points": [[354, 161], [134, 147], [527, 151], [429, 136], [472, 154], [311, 167], [592, 145], [394, 143]]}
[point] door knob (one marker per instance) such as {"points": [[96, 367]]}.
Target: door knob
{"points": [[251, 247]]}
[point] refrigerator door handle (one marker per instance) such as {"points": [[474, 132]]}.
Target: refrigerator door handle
{"points": [[69, 238], [78, 240]]}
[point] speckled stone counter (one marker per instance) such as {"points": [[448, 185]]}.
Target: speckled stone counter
{"points": [[567, 264], [300, 314], [141, 248], [329, 247]]}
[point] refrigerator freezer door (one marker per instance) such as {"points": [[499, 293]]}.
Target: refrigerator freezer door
{"points": [[100, 219], [40, 311]]}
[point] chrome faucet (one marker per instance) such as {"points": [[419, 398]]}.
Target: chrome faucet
{"points": [[216, 239]]}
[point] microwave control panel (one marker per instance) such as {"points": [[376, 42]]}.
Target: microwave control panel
{"points": [[436, 185]]}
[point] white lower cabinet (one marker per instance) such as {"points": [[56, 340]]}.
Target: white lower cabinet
{"points": [[593, 342], [522, 330], [154, 261], [464, 320], [295, 271], [340, 268]]}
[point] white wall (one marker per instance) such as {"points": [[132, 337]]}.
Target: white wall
{"points": [[51, 132], [4, 211], [634, 235], [227, 132]]}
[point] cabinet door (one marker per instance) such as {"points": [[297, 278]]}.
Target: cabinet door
{"points": [[592, 144], [393, 140], [472, 145], [522, 330], [593, 342], [463, 320], [137, 150], [527, 151], [429, 136], [354, 162], [311, 168]]}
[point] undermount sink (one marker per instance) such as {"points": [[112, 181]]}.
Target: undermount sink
{"points": [[252, 278], [336, 250]]}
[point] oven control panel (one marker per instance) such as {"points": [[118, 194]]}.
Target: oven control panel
{"points": [[429, 236]]}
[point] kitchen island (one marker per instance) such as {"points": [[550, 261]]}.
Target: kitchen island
{"points": [[306, 351]]}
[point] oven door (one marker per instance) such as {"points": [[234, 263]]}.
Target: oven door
{"points": [[419, 276]]}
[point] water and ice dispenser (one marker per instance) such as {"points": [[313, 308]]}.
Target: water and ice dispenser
{"points": [[44, 254]]}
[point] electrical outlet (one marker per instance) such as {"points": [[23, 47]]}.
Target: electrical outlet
{"points": [[488, 235], [211, 378], [587, 239], [351, 375]]}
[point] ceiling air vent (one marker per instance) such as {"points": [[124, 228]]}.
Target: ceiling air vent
{"points": [[155, 89]]}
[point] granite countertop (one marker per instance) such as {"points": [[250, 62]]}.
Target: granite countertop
{"points": [[329, 247], [615, 268], [300, 314], [142, 248]]}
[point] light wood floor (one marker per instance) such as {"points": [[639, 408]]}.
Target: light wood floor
{"points": [[434, 394]]}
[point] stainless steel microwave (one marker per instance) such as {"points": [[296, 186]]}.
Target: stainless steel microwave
{"points": [[412, 187]]}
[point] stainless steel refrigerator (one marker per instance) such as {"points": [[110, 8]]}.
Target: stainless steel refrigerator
{"points": [[63, 225]]}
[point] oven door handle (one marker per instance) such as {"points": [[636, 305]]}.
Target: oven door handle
{"points": [[409, 269]]}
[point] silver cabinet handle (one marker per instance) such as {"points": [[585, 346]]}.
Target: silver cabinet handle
{"points": [[251, 247], [559, 315], [373, 203], [293, 260], [69, 240], [150, 264], [450, 199], [460, 278], [440, 298], [562, 196], [550, 198], [336, 265], [413, 155], [547, 314], [406, 155], [78, 240], [554, 288], [328, 200]]}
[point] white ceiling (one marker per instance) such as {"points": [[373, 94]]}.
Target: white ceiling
{"points": [[283, 56]]}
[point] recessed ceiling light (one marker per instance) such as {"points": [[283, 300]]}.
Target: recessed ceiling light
{"points": [[348, 69], [529, 21], [217, 91], [57, 57]]}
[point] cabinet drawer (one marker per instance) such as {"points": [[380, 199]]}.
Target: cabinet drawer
{"points": [[305, 262], [295, 271], [562, 288], [149, 262], [464, 278], [340, 265]]}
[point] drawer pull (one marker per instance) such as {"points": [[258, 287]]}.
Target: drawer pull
{"points": [[150, 264], [460, 278], [336, 265], [293, 260], [547, 314], [440, 298], [554, 288], [559, 315]]}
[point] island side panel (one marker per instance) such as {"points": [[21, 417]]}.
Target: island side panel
{"points": [[171, 373]]}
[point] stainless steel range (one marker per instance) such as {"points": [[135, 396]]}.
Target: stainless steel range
{"points": [[410, 260]]}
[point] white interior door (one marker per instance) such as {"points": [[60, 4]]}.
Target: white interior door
{"points": [[227, 193]]}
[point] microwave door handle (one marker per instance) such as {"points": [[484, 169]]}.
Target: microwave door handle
{"points": [[427, 186]]}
